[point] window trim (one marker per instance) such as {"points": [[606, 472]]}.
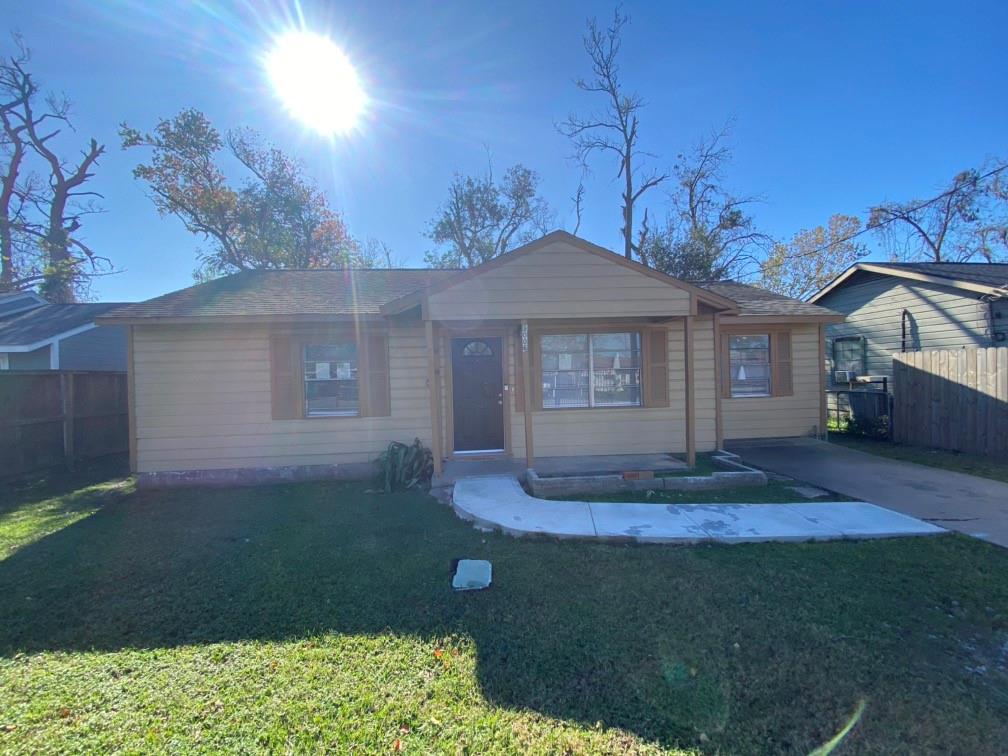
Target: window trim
{"points": [[305, 343], [769, 363], [862, 342], [781, 382], [589, 332]]}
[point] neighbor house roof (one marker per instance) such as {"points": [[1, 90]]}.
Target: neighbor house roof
{"points": [[753, 301], [48, 321], [983, 278], [343, 294]]}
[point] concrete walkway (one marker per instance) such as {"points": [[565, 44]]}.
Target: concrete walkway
{"points": [[972, 505], [498, 501]]}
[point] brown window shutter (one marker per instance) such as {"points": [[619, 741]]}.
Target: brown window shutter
{"points": [[656, 380], [535, 362], [375, 376], [285, 378], [726, 365], [782, 383], [519, 378]]}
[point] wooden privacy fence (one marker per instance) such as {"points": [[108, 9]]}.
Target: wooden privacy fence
{"points": [[51, 418], [955, 399]]}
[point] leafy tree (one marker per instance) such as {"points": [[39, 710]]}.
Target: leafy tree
{"points": [[813, 257], [615, 129], [42, 196], [708, 234], [276, 218], [483, 218], [967, 220]]}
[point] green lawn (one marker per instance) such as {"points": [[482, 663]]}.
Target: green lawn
{"points": [[985, 467], [318, 617]]}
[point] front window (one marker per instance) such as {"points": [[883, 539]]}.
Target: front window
{"points": [[591, 370], [848, 354], [330, 379], [749, 358]]}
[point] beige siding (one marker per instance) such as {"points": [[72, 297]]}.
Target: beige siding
{"points": [[590, 287], [203, 402], [797, 415]]}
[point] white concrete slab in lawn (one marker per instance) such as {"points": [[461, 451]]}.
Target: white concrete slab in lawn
{"points": [[645, 522]]}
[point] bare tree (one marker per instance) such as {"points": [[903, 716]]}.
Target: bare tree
{"points": [[50, 211], [615, 128], [709, 233], [964, 221]]}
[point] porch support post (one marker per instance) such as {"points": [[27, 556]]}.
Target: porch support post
{"points": [[434, 389], [718, 388], [526, 347], [131, 398], [822, 382], [690, 392]]}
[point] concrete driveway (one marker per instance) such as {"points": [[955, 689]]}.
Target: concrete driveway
{"points": [[974, 506]]}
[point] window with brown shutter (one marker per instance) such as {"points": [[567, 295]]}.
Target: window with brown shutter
{"points": [[756, 364], [780, 354], [329, 374]]}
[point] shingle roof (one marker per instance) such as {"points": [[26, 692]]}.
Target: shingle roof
{"points": [[279, 293], [755, 301], [48, 320], [270, 293], [989, 274]]}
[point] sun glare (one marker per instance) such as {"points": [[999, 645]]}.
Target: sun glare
{"points": [[316, 82]]}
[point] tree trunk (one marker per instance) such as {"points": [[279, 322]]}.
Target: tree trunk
{"points": [[57, 286], [628, 209]]}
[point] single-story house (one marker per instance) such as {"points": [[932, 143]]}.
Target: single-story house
{"points": [[559, 348], [907, 307], [38, 335]]}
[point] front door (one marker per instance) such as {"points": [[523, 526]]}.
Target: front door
{"points": [[478, 394]]}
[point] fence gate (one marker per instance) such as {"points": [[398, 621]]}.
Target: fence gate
{"points": [[955, 399]]}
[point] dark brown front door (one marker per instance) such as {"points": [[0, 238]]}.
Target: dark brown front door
{"points": [[478, 394]]}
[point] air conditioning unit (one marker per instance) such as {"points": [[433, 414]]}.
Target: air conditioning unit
{"points": [[844, 376]]}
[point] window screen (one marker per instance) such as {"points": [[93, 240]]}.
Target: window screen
{"points": [[330, 378]]}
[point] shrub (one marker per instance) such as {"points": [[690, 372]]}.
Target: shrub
{"points": [[403, 467]]}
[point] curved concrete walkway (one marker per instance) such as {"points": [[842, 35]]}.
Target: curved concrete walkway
{"points": [[498, 501]]}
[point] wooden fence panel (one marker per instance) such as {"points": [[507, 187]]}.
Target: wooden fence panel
{"points": [[952, 399], [56, 418]]}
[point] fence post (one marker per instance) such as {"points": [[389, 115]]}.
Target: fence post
{"points": [[68, 407]]}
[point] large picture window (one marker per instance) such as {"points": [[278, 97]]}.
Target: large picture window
{"points": [[749, 365], [591, 370], [330, 380]]}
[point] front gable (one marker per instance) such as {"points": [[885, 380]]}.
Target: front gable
{"points": [[561, 276]]}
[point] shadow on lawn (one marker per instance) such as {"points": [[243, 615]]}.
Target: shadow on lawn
{"points": [[638, 638]]}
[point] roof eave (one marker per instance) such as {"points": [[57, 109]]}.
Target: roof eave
{"points": [[913, 275], [828, 317], [238, 319]]}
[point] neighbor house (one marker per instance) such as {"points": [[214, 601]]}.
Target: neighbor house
{"points": [[38, 335], [559, 348], [907, 307]]}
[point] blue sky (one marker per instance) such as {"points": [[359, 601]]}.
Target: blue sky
{"points": [[837, 105]]}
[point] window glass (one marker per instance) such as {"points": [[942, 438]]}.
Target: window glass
{"points": [[848, 354], [477, 349], [749, 358], [596, 370], [330, 377]]}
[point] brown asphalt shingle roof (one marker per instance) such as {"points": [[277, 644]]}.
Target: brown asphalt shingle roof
{"points": [[268, 293], [755, 301], [272, 293]]}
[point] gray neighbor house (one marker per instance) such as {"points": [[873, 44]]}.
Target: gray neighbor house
{"points": [[906, 307], [38, 335]]}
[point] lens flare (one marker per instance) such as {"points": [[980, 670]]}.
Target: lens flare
{"points": [[316, 82]]}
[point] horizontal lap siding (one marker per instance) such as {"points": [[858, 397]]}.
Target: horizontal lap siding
{"points": [[797, 415], [203, 402], [592, 287], [942, 318]]}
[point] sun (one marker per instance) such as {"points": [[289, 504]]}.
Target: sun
{"points": [[316, 82]]}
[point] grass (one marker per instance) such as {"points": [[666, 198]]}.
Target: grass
{"points": [[985, 467], [318, 617]]}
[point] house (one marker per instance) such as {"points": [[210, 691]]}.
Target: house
{"points": [[559, 348], [905, 307], [38, 335]]}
